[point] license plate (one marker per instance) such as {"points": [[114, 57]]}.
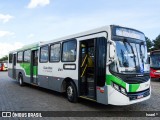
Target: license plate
{"points": [[140, 96]]}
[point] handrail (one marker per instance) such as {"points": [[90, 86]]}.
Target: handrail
{"points": [[84, 70], [84, 60]]}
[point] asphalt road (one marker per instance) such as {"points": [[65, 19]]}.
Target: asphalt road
{"points": [[32, 98]]}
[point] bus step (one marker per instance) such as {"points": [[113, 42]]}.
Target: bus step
{"points": [[90, 96], [90, 84], [91, 91]]}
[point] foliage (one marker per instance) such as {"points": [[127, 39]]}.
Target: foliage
{"points": [[5, 58], [149, 44], [156, 43]]}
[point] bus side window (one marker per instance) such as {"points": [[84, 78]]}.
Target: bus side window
{"points": [[44, 54], [27, 56], [69, 51], [55, 53], [19, 57]]}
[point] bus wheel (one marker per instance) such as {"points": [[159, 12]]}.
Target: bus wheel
{"points": [[71, 92], [21, 83]]}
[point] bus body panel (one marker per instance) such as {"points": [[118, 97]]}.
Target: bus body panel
{"points": [[52, 75], [116, 98], [154, 58]]}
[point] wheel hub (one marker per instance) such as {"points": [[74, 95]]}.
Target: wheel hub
{"points": [[69, 91]]}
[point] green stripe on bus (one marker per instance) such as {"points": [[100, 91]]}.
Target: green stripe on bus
{"points": [[26, 67], [112, 78], [133, 87], [35, 70]]}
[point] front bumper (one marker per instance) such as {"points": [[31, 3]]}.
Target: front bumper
{"points": [[117, 98]]}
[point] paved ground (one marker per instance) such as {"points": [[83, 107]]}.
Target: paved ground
{"points": [[31, 98]]}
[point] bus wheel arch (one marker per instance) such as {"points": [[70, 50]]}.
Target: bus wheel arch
{"points": [[69, 87], [20, 79]]}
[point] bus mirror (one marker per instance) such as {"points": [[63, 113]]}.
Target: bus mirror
{"points": [[112, 51]]}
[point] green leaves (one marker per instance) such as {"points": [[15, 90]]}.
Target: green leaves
{"points": [[149, 44], [5, 58], [156, 43], [153, 45]]}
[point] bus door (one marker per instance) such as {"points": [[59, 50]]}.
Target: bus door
{"points": [[14, 66], [92, 66], [34, 66]]}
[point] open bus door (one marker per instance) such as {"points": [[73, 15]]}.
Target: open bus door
{"points": [[34, 66], [14, 66], [92, 66]]}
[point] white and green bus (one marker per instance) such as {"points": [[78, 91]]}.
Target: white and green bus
{"points": [[107, 65]]}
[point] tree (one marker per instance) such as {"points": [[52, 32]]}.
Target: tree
{"points": [[156, 43], [149, 44], [5, 58]]}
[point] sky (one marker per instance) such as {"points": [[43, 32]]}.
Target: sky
{"points": [[25, 22]]}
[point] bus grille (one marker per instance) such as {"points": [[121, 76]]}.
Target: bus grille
{"points": [[139, 95]]}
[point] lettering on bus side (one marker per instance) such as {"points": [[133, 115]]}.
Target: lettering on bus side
{"points": [[60, 69], [47, 69]]}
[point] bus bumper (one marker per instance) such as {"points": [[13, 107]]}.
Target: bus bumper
{"points": [[117, 98]]}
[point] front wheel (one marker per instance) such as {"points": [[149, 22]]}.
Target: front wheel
{"points": [[21, 83], [71, 92]]}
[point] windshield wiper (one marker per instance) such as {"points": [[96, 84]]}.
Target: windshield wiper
{"points": [[132, 51], [141, 54]]}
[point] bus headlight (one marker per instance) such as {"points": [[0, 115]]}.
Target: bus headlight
{"points": [[115, 86], [119, 88], [123, 90]]}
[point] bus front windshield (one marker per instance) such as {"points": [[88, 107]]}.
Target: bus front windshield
{"points": [[155, 60], [131, 57]]}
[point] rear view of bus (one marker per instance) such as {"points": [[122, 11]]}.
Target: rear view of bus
{"points": [[155, 64], [129, 80]]}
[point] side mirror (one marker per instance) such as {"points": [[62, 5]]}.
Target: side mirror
{"points": [[112, 51]]}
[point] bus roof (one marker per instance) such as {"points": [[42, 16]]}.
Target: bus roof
{"points": [[89, 32], [30, 46], [81, 34]]}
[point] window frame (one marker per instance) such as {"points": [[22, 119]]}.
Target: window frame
{"points": [[62, 50], [59, 53], [30, 56], [22, 57], [10, 59], [40, 54]]}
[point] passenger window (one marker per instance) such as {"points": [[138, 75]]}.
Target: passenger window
{"points": [[44, 54], [20, 57], [69, 51], [27, 56], [55, 53]]}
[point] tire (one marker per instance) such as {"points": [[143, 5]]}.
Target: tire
{"points": [[71, 92], [20, 80]]}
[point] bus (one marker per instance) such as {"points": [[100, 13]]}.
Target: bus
{"points": [[107, 65], [3, 66], [155, 64]]}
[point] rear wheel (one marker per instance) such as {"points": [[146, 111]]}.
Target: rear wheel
{"points": [[71, 92], [21, 83]]}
